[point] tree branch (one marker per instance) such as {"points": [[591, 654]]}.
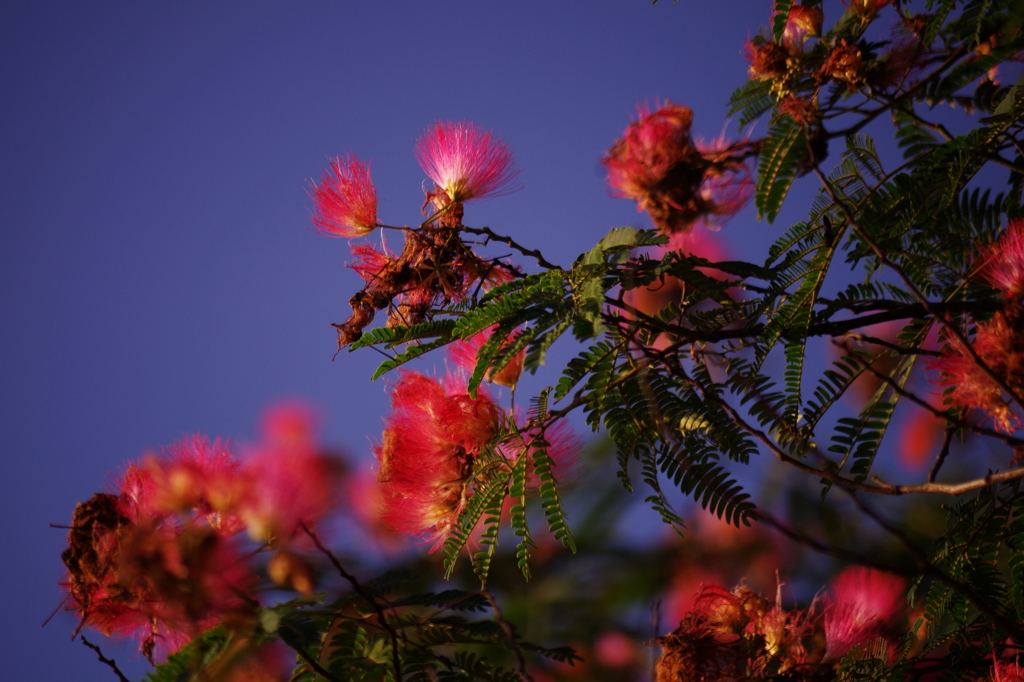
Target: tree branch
{"points": [[493, 236], [104, 659], [361, 591]]}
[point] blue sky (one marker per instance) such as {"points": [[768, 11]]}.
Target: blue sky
{"points": [[158, 270]]}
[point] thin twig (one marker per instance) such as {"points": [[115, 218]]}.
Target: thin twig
{"points": [[826, 549], [361, 591], [104, 659], [880, 487], [940, 459], [929, 307], [532, 253], [837, 328], [510, 634], [961, 423], [925, 565]]}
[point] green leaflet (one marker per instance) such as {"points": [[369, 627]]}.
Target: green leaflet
{"points": [[778, 164]]}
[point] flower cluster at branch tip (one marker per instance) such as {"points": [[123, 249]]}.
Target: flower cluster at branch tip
{"points": [[433, 437], [346, 200], [677, 181], [997, 342], [466, 162], [741, 635], [162, 557]]}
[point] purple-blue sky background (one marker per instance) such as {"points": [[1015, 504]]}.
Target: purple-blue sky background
{"points": [[158, 271]]}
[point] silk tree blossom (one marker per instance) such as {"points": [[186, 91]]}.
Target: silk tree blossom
{"points": [[801, 23], [678, 182], [425, 459], [997, 341], [998, 344], [1006, 671], [161, 557], [290, 482], [558, 441], [1002, 264], [738, 635], [466, 162], [863, 605], [194, 476], [432, 438], [346, 199], [154, 560]]}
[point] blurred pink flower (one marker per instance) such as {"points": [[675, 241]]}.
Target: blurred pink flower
{"points": [[678, 182], [920, 436], [802, 22], [615, 649], [465, 162], [1002, 263], [864, 602], [1005, 671], [155, 581], [997, 344], [194, 477], [346, 200], [290, 481]]}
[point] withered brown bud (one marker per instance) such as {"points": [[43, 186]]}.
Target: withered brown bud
{"points": [[917, 24], [804, 112], [845, 63], [769, 61]]}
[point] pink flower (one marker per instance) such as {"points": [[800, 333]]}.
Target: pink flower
{"points": [[465, 162], [1002, 264], [802, 21], [369, 261], [997, 344], [425, 458], [346, 200], [156, 581], [290, 481], [1005, 671], [658, 164], [864, 602], [194, 477]]}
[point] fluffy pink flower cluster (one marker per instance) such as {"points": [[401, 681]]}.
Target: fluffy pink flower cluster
{"points": [[998, 341], [1006, 671], [162, 558], [435, 433], [677, 181], [466, 162], [346, 199], [742, 635]]}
